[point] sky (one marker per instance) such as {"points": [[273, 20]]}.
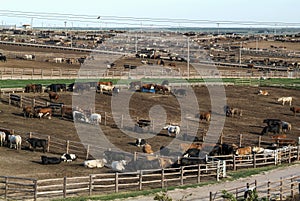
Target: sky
{"points": [[215, 10]]}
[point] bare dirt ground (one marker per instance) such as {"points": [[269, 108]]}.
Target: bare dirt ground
{"points": [[256, 108]]}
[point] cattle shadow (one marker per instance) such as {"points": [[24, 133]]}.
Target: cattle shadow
{"points": [[289, 115], [37, 162], [273, 103], [18, 114], [252, 126], [131, 143]]}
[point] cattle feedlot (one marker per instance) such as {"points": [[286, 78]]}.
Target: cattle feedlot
{"points": [[253, 118]]}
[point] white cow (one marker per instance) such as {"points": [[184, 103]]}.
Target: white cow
{"points": [[118, 166], [172, 130], [285, 99], [2, 138], [95, 118], [15, 140], [29, 56], [58, 60], [79, 116], [68, 157], [97, 163]]}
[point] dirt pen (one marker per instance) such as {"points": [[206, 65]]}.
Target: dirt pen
{"points": [[243, 131]]}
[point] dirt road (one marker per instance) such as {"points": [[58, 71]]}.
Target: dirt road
{"points": [[202, 193]]}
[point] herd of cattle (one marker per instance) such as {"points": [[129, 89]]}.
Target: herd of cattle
{"points": [[188, 153]]}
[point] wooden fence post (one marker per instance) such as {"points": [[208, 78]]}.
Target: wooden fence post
{"points": [[90, 185], [122, 119], [162, 178], [48, 144], [259, 141], [181, 175], [135, 156], [292, 187], [87, 152], [9, 101], [21, 101], [105, 118], [35, 190], [30, 134], [6, 188], [218, 171], [254, 160], [298, 149], [33, 102], [210, 196], [281, 188], [199, 173], [152, 121], [241, 137], [290, 154], [67, 146], [116, 182], [221, 138], [141, 180], [234, 165], [65, 187]]}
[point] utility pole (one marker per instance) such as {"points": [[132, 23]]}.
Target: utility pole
{"points": [[188, 58], [240, 55]]}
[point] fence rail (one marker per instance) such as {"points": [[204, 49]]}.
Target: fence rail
{"points": [[31, 189], [140, 72]]}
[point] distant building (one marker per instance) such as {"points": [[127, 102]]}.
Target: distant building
{"points": [[26, 26]]}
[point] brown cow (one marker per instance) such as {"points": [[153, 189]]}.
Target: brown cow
{"points": [[235, 112], [147, 149], [276, 137], [65, 110], [53, 95], [295, 110], [28, 112], [204, 116], [43, 112], [263, 92], [243, 151], [109, 83]]}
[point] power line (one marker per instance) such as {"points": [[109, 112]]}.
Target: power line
{"points": [[137, 20]]}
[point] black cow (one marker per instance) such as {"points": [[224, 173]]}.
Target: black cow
{"points": [[3, 58], [143, 164], [79, 87], [50, 160], [270, 122], [57, 87], [191, 161], [35, 142], [223, 149], [111, 156], [274, 128], [140, 142]]}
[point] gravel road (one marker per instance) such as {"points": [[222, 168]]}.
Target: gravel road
{"points": [[202, 193]]}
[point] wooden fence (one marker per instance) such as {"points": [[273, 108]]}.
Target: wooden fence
{"points": [[272, 190], [32, 189], [140, 72]]}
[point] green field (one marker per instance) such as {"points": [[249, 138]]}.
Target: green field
{"points": [[279, 82]]}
